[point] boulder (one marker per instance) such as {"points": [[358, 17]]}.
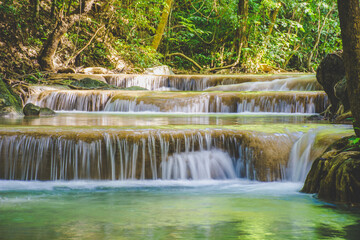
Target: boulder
{"points": [[46, 112], [10, 103], [340, 91], [160, 70], [330, 71], [335, 175], [33, 110]]}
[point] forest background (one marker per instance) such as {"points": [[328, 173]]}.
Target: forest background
{"points": [[198, 35]]}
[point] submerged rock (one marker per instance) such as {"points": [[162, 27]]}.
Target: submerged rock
{"points": [[10, 103], [335, 175], [33, 110]]}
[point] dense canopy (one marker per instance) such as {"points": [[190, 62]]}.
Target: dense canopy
{"points": [[200, 35]]}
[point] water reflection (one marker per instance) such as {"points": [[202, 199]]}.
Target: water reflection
{"points": [[153, 119], [221, 211]]}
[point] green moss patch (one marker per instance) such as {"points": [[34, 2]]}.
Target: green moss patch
{"points": [[9, 101]]}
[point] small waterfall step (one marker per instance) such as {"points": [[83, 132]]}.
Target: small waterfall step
{"points": [[199, 82], [186, 102], [108, 154], [298, 83], [53, 154]]}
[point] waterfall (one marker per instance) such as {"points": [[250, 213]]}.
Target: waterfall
{"points": [[302, 83], [202, 82], [145, 154], [309, 147], [300, 157], [72, 100], [195, 102], [130, 106], [212, 164], [160, 82], [150, 82]]}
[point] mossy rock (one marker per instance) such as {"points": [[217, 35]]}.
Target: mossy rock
{"points": [[46, 112], [335, 175], [10, 103], [33, 110], [88, 83]]}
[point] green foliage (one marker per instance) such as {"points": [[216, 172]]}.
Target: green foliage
{"points": [[9, 101], [206, 31], [34, 78], [354, 141]]}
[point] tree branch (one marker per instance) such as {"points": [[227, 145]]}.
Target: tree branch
{"points": [[186, 57], [87, 44]]}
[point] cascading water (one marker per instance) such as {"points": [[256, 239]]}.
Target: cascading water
{"points": [[213, 164], [202, 82], [143, 155], [286, 102], [297, 83], [300, 157], [309, 147], [158, 82], [162, 155]]}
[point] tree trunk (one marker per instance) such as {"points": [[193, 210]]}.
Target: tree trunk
{"points": [[243, 13], [35, 8], [48, 50], [271, 28], [273, 20], [161, 27], [52, 11], [349, 14]]}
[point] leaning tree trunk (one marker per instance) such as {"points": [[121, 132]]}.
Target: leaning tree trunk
{"points": [[349, 14], [161, 27], [48, 50]]}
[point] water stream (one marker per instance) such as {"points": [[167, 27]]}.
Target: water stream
{"points": [[223, 163]]}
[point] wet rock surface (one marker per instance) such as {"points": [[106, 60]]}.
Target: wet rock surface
{"points": [[335, 175], [33, 110], [331, 75], [88, 83], [340, 90], [10, 103]]}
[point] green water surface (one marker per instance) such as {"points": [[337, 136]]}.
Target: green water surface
{"points": [[234, 209]]}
